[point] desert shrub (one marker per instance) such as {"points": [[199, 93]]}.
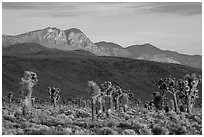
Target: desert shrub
{"points": [[67, 131], [145, 131], [197, 119], [158, 130], [9, 118], [34, 131], [112, 123], [178, 129], [106, 131], [173, 117], [82, 132], [128, 132], [143, 111], [124, 125], [161, 116], [81, 124], [137, 126], [82, 114], [62, 119], [47, 120], [95, 124], [19, 131]]}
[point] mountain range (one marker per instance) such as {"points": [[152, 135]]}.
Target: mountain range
{"points": [[75, 39]]}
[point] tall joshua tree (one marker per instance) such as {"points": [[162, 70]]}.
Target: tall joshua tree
{"points": [[115, 94], [188, 86], [28, 81], [54, 95], [10, 96], [169, 85]]}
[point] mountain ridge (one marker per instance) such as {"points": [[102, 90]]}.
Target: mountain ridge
{"points": [[75, 39]]}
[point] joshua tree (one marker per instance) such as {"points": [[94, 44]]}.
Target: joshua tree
{"points": [[54, 95], [83, 103], [188, 86], [131, 97], [88, 103], [4, 101], [158, 101], [10, 96], [147, 106], [169, 85], [28, 81], [171, 105], [123, 100], [107, 99], [94, 93], [115, 94]]}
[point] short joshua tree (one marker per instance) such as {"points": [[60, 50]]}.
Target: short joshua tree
{"points": [[115, 94], [28, 81], [88, 103], [131, 97], [4, 101], [158, 101], [54, 95], [147, 106], [171, 105], [123, 100], [83, 103], [107, 98], [10, 97]]}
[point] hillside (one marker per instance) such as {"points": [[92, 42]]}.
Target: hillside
{"points": [[25, 49], [71, 72]]}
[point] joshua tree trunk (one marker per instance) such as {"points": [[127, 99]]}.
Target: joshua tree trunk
{"points": [[116, 104], [9, 102], [32, 101], [188, 104], [92, 109], [27, 102], [175, 103], [54, 102]]}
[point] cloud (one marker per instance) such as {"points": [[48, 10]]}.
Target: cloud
{"points": [[179, 8], [37, 5], [105, 9]]}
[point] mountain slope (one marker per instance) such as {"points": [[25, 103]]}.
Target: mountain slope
{"points": [[151, 53], [26, 49], [71, 72]]}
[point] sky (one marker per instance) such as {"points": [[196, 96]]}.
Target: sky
{"points": [[175, 26]]}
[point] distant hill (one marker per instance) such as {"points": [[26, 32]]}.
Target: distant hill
{"points": [[71, 70], [75, 39], [113, 49]]}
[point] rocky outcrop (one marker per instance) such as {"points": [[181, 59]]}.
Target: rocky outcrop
{"points": [[70, 39], [159, 58]]}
